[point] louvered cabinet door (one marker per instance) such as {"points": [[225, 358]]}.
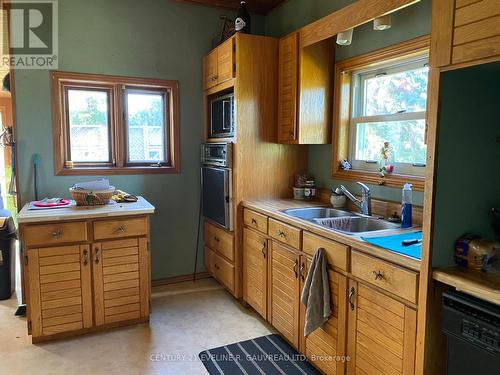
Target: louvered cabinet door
{"points": [[60, 293], [284, 292], [287, 88], [381, 333], [255, 271], [121, 280], [325, 346]]}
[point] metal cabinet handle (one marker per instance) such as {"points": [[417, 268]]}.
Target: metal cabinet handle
{"points": [[378, 275], [57, 233], [97, 255], [302, 269], [296, 268], [281, 233], [120, 229], [352, 292], [216, 266], [217, 239], [85, 257], [254, 221], [263, 250]]}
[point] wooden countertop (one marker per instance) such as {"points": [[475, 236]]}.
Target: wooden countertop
{"points": [[273, 208], [476, 283], [141, 207]]}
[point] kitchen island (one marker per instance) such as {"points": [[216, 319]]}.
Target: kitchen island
{"points": [[85, 268]]}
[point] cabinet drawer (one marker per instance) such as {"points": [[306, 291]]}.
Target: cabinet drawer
{"points": [[255, 220], [120, 228], [223, 271], [284, 233], [219, 240], [58, 233], [336, 253], [394, 279]]}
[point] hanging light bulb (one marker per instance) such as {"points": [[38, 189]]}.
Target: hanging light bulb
{"points": [[345, 37], [382, 22]]}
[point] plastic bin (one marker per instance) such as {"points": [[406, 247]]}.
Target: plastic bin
{"points": [[8, 236]]}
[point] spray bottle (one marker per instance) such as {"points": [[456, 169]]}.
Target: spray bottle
{"points": [[406, 206]]}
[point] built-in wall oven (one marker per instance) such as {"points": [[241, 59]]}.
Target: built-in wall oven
{"points": [[216, 183]]}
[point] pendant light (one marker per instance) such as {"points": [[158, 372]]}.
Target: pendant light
{"points": [[345, 37], [382, 22]]}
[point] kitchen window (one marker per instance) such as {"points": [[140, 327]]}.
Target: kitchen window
{"points": [[114, 125], [380, 102], [389, 105]]}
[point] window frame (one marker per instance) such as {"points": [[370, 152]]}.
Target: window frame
{"points": [[345, 106], [116, 87], [359, 77]]}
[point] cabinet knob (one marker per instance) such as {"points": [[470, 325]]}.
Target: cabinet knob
{"points": [[120, 229], [263, 250], [302, 269], [377, 275], [217, 239], [254, 221], [97, 255], [85, 257], [57, 233], [296, 268], [281, 234]]}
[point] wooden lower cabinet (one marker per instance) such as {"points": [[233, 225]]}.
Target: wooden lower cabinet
{"points": [[75, 288], [381, 333], [325, 347], [221, 269], [60, 289], [284, 291], [121, 280], [255, 270]]}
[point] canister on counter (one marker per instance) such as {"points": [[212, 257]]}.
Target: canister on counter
{"points": [[310, 190]]}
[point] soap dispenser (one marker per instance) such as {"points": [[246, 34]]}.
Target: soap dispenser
{"points": [[406, 206]]}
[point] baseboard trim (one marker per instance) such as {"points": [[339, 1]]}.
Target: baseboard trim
{"points": [[179, 279]]}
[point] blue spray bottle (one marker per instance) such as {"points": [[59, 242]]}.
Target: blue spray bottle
{"points": [[406, 208]]}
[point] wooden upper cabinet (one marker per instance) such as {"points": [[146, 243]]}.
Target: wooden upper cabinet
{"points": [[219, 65], [304, 91], [284, 292], [255, 271], [465, 32], [328, 341], [287, 88], [381, 333]]}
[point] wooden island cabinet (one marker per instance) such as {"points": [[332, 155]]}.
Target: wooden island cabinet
{"points": [[85, 268]]}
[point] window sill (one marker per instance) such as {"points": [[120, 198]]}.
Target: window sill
{"points": [[391, 180], [98, 171]]}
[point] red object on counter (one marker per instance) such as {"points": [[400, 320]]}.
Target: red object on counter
{"points": [[62, 202]]}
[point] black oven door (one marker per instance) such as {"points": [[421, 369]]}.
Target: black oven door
{"points": [[216, 195]]}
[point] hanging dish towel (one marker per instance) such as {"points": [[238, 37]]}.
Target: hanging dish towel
{"points": [[316, 293]]}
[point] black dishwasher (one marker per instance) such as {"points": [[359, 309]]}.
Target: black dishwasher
{"points": [[473, 330]]}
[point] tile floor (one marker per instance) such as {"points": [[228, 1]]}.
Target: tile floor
{"points": [[187, 318]]}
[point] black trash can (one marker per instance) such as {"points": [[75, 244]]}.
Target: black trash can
{"points": [[8, 236]]}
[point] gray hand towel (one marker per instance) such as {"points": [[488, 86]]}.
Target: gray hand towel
{"points": [[316, 293]]}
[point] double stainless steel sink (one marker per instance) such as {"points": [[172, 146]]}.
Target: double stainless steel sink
{"points": [[341, 221]]}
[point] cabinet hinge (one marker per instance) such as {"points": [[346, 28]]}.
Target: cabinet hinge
{"points": [[29, 325], [25, 260]]}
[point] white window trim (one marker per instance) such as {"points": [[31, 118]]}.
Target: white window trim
{"points": [[357, 99]]}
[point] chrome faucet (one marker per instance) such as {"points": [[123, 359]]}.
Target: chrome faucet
{"points": [[364, 204]]}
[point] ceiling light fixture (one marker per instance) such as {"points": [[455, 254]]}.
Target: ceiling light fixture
{"points": [[382, 22], [345, 37]]}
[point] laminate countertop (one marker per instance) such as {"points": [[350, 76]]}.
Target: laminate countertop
{"points": [[476, 283], [274, 207], [141, 207]]}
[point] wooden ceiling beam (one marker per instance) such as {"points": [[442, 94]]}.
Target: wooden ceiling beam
{"points": [[353, 15]]}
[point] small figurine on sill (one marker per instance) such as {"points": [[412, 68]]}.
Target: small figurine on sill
{"points": [[385, 164]]}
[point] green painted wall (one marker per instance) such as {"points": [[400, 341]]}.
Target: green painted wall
{"points": [[147, 38], [407, 24], [468, 157]]}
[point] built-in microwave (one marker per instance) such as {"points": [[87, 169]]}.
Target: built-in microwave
{"points": [[222, 120]]}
